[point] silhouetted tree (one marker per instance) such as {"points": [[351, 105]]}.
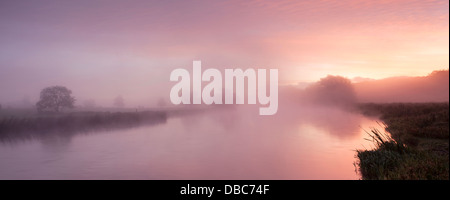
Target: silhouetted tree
{"points": [[119, 102], [333, 90], [55, 98]]}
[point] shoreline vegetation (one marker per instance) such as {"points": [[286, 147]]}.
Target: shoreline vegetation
{"points": [[67, 124], [413, 146], [18, 124]]}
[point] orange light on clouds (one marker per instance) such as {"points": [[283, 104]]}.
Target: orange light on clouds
{"points": [[305, 40]]}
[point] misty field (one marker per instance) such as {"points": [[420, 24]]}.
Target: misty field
{"points": [[414, 146]]}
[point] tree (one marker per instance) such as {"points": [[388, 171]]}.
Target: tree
{"points": [[119, 102], [333, 90], [55, 98]]}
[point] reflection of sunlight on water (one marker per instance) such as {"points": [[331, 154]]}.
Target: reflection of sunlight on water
{"points": [[366, 127], [325, 157], [225, 144]]}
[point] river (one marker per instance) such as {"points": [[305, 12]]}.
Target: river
{"points": [[227, 143]]}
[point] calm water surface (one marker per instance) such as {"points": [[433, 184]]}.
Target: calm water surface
{"points": [[300, 143]]}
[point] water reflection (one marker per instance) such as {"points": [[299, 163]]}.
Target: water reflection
{"points": [[223, 143], [55, 143], [340, 123]]}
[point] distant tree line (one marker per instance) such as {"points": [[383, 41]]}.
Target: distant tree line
{"points": [[333, 90], [57, 98]]}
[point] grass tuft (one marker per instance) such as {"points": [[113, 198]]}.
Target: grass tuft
{"points": [[422, 154]]}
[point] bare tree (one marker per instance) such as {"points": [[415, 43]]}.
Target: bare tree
{"points": [[55, 98]]}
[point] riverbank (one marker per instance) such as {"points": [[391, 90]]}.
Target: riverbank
{"points": [[416, 145], [67, 124]]}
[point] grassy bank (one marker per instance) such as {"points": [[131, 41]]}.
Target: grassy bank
{"points": [[66, 124], [417, 146]]}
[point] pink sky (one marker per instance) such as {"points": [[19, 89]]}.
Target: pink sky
{"points": [[107, 48]]}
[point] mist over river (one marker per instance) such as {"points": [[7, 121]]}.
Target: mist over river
{"points": [[224, 143]]}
